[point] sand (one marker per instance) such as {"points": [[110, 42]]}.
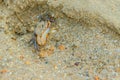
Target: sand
{"points": [[86, 40]]}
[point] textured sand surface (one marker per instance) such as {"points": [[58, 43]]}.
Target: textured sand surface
{"points": [[88, 29]]}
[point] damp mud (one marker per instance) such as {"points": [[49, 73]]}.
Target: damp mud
{"points": [[83, 42]]}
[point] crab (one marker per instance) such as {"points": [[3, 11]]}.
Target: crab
{"points": [[41, 31], [40, 34]]}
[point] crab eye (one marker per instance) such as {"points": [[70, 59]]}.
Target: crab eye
{"points": [[35, 34]]}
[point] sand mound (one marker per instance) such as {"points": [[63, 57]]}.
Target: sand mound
{"points": [[103, 13]]}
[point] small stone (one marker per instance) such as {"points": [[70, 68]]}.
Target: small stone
{"points": [[62, 47], [77, 63], [27, 62]]}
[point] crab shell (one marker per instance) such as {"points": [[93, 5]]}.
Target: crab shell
{"points": [[42, 38]]}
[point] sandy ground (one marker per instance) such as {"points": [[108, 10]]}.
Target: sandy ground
{"points": [[92, 51]]}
